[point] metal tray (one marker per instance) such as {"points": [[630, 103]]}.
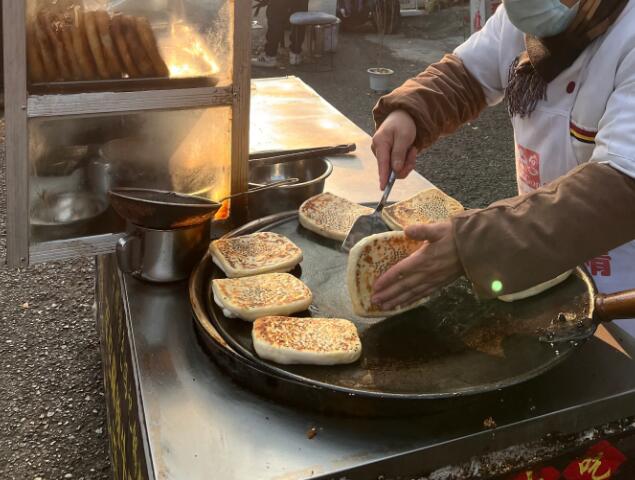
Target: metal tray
{"points": [[453, 346]]}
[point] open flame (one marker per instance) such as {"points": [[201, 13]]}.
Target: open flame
{"points": [[187, 53]]}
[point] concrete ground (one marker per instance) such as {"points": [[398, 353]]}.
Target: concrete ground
{"points": [[52, 412]]}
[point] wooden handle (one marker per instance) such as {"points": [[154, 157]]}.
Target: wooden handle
{"points": [[615, 306]]}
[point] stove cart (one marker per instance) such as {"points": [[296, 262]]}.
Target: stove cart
{"points": [[118, 93]]}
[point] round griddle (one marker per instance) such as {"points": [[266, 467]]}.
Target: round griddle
{"points": [[453, 346]]}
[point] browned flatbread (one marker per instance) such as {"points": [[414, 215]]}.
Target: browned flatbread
{"points": [[260, 252], [36, 66], [429, 206], [46, 52], [149, 42], [138, 53], [92, 34], [330, 216], [102, 19], [117, 31], [253, 297], [52, 27], [368, 260], [309, 341], [80, 46], [66, 24]]}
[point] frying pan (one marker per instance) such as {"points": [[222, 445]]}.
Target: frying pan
{"points": [[164, 210], [454, 346]]}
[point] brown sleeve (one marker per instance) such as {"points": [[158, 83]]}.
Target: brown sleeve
{"points": [[524, 241], [440, 100]]}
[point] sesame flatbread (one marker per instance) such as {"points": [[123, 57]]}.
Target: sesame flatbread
{"points": [[250, 298], [368, 260], [429, 206], [307, 341], [330, 216], [261, 252], [536, 290]]}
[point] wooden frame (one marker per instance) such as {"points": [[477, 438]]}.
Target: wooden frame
{"points": [[20, 107]]}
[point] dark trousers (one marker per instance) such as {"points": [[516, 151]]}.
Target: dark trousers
{"points": [[278, 13]]}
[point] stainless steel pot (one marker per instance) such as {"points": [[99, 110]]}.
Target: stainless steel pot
{"points": [[162, 256], [312, 174]]}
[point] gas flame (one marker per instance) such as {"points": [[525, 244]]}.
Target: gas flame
{"points": [[187, 53]]}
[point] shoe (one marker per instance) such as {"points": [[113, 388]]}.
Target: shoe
{"points": [[264, 61], [295, 58]]}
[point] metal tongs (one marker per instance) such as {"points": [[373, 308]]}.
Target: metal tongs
{"points": [[367, 225]]}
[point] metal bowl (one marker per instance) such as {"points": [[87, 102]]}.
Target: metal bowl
{"points": [[312, 173], [68, 208]]}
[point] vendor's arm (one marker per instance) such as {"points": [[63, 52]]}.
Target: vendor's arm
{"points": [[438, 101], [519, 242]]}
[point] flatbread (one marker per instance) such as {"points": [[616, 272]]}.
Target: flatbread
{"points": [[307, 341], [80, 46], [36, 66], [330, 216], [429, 206], [250, 298], [368, 260], [261, 252], [537, 290]]}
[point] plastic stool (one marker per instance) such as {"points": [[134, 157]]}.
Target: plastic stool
{"points": [[322, 36]]}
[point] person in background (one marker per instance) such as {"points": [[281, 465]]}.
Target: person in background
{"points": [[566, 69], [278, 13]]}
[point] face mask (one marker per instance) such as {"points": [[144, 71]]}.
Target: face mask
{"points": [[540, 18]]}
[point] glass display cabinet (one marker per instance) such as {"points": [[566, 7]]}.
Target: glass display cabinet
{"points": [[102, 94]]}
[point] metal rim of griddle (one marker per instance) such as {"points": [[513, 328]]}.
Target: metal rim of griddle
{"points": [[201, 307]]}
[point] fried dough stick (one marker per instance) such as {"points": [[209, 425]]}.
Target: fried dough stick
{"points": [[82, 52], [37, 73], [137, 51], [52, 29], [94, 43], [117, 29], [150, 44], [46, 52], [113, 64]]}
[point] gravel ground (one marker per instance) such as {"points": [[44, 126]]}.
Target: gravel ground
{"points": [[52, 411]]}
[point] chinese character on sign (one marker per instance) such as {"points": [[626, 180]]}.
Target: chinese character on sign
{"points": [[600, 266], [548, 473], [528, 167], [599, 463]]}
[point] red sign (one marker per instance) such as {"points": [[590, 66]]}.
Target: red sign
{"points": [[599, 463], [547, 473], [600, 266], [528, 167]]}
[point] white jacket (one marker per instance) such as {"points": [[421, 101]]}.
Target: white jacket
{"points": [[589, 115]]}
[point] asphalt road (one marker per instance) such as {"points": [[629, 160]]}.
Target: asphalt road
{"points": [[52, 411]]}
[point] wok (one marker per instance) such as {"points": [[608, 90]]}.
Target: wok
{"points": [[454, 347], [164, 210]]}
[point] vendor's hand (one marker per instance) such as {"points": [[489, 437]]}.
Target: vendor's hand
{"points": [[393, 145], [435, 265]]}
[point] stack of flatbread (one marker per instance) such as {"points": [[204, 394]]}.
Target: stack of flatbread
{"points": [[316, 341], [429, 206], [66, 43], [330, 216], [261, 252], [250, 298], [368, 260]]}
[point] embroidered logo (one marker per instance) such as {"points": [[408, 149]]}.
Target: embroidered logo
{"points": [[528, 166]]}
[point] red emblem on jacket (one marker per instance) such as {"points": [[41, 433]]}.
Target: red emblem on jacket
{"points": [[528, 167], [600, 266]]}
